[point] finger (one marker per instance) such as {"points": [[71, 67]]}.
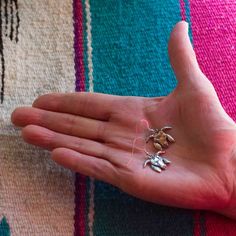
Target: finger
{"points": [[50, 140], [182, 55], [92, 105], [60, 122], [187, 70], [86, 165]]}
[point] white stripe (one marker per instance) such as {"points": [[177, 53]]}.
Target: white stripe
{"points": [[91, 90], [89, 44]]}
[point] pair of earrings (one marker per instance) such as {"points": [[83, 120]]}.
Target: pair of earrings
{"points": [[160, 140]]}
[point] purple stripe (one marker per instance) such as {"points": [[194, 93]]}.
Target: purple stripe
{"points": [[78, 45], [80, 180]]}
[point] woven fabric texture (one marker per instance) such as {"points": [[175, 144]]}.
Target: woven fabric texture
{"points": [[36, 43], [124, 51], [116, 47]]}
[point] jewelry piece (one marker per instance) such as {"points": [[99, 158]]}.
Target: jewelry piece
{"points": [[160, 138], [158, 163]]}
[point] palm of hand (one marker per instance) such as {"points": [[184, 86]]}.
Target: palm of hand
{"points": [[94, 134], [200, 166]]}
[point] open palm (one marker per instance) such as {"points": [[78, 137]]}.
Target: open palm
{"points": [[97, 135]]}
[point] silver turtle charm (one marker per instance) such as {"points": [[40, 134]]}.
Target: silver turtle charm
{"points": [[157, 162], [160, 138]]}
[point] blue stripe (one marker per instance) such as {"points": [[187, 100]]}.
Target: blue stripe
{"points": [[129, 40], [130, 46]]}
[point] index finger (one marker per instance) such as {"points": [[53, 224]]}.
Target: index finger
{"points": [[91, 105]]}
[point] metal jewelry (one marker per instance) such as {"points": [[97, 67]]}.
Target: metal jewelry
{"points": [[157, 162], [160, 138]]}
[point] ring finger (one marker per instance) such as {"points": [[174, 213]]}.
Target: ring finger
{"points": [[50, 140]]}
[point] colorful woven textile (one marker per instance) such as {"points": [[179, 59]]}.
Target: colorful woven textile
{"points": [[112, 46], [122, 49], [36, 46]]}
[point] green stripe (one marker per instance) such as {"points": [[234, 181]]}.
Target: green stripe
{"points": [[118, 214], [4, 227]]}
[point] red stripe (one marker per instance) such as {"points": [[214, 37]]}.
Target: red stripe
{"points": [[217, 225]]}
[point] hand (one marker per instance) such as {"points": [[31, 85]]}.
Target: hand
{"points": [[93, 134]]}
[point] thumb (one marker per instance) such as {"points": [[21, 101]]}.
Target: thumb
{"points": [[188, 73], [182, 55]]}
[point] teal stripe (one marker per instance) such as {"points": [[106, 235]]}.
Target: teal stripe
{"points": [[118, 214], [4, 227], [129, 40], [130, 46]]}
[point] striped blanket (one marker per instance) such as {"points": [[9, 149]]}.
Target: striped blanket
{"points": [[116, 47]]}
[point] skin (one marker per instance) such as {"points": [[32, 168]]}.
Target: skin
{"points": [[96, 135]]}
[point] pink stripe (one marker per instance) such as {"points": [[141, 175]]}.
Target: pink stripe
{"points": [[80, 181], [80, 205], [182, 9], [217, 225], [214, 36], [78, 45]]}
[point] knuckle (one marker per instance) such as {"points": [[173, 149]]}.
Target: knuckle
{"points": [[101, 131], [104, 151], [71, 124], [78, 144], [83, 103]]}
